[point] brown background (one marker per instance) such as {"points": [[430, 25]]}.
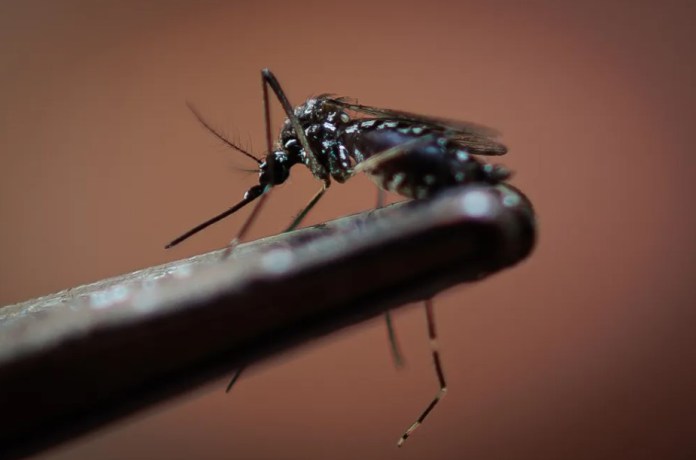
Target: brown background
{"points": [[583, 351]]}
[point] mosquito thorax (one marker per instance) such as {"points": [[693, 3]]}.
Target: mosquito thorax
{"points": [[321, 122]]}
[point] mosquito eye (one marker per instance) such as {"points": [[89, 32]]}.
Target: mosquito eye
{"points": [[274, 171]]}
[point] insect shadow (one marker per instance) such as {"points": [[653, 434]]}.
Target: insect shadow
{"points": [[413, 155]]}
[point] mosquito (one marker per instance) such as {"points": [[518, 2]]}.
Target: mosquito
{"points": [[413, 155]]}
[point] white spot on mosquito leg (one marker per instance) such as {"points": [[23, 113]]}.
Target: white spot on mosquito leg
{"points": [[410, 430]]}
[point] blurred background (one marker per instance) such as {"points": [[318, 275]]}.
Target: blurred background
{"points": [[585, 350]]}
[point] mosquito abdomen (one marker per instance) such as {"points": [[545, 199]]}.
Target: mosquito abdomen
{"points": [[422, 168]]}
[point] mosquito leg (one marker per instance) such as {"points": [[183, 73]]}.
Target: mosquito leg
{"points": [[262, 199], [438, 370], [269, 147], [245, 227], [380, 197], [235, 242], [369, 165], [267, 110], [234, 378], [397, 356], [270, 80], [294, 224]]}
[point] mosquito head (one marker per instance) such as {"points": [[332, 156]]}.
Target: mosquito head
{"points": [[276, 168]]}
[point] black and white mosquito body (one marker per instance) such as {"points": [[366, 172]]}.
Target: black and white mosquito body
{"points": [[412, 155]]}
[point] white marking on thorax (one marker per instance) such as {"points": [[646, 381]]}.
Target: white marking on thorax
{"points": [[462, 155], [396, 181], [343, 156], [359, 157]]}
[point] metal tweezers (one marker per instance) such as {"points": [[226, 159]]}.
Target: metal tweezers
{"points": [[75, 360]]}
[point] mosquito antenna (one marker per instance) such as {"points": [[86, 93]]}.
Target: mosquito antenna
{"points": [[219, 135], [248, 198]]}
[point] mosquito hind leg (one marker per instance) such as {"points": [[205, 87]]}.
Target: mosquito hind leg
{"points": [[432, 334], [397, 355]]}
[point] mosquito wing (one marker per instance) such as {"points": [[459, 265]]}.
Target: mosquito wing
{"points": [[480, 139]]}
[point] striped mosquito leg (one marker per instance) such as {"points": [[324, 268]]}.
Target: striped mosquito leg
{"points": [[438, 370]]}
